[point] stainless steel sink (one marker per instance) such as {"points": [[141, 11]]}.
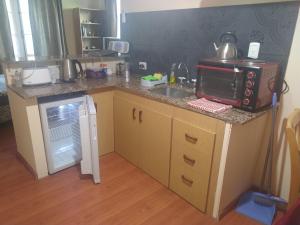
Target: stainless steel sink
{"points": [[172, 92]]}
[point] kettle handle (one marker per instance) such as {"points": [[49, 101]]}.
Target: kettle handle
{"points": [[230, 34], [75, 61]]}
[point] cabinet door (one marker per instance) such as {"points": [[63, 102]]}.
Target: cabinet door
{"points": [[155, 136], [126, 129], [105, 121]]}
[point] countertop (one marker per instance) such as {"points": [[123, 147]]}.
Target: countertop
{"points": [[234, 116]]}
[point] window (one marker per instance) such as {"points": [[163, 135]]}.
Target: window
{"points": [[19, 21], [119, 19]]}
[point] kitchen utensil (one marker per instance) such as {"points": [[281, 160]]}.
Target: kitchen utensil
{"points": [[70, 71], [36, 76], [227, 48], [120, 69]]}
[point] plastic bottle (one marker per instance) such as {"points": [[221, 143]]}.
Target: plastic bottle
{"points": [[172, 75]]}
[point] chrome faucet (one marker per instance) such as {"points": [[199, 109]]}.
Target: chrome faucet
{"points": [[183, 76]]}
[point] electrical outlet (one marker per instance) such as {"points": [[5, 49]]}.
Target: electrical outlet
{"points": [[143, 65]]}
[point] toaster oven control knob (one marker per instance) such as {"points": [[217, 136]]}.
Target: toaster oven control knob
{"points": [[248, 92], [246, 101], [250, 84], [251, 75]]}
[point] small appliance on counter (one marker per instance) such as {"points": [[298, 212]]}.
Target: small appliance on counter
{"points": [[36, 76], [70, 72], [70, 132], [245, 84]]}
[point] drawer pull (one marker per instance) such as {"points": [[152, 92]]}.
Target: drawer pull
{"points": [[133, 113], [191, 139], [187, 181], [140, 116], [189, 160]]}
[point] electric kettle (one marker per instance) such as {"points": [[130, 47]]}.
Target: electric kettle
{"points": [[70, 71], [227, 48]]}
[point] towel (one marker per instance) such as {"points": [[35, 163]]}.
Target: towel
{"points": [[208, 106]]}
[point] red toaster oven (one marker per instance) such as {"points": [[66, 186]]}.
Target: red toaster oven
{"points": [[244, 84]]}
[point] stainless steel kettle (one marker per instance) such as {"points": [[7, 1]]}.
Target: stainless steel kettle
{"points": [[70, 72], [227, 48]]}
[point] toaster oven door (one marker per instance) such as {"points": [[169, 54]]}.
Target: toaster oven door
{"points": [[220, 84]]}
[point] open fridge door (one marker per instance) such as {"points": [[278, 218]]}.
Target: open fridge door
{"points": [[90, 156]]}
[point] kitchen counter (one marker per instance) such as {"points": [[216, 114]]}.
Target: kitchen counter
{"points": [[234, 116]]}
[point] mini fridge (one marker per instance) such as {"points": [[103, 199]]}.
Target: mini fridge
{"points": [[70, 133]]}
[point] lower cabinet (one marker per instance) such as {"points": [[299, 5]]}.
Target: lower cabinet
{"points": [[155, 137], [126, 130], [191, 159], [143, 137]]}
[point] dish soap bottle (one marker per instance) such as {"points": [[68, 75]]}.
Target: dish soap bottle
{"points": [[172, 75]]}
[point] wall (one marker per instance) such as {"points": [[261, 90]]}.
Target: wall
{"points": [[157, 5], [289, 102], [90, 4], [162, 38]]}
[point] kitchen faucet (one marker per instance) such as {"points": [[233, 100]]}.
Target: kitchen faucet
{"points": [[183, 76]]}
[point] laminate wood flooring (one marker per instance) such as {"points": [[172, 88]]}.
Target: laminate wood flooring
{"points": [[126, 196]]}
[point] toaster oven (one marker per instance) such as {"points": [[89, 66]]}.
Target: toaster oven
{"points": [[244, 84]]}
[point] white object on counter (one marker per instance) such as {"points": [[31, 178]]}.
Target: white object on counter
{"points": [[36, 76], [54, 72], [253, 50]]}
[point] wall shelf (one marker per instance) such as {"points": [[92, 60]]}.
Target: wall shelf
{"points": [[89, 25]]}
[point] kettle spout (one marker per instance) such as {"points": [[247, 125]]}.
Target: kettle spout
{"points": [[216, 47]]}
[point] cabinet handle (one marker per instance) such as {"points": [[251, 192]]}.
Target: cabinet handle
{"points": [[186, 181], [140, 116], [133, 113], [96, 106], [189, 160], [191, 139]]}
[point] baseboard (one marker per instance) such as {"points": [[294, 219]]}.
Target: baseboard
{"points": [[27, 166]]}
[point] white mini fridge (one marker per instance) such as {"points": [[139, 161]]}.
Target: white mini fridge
{"points": [[70, 134]]}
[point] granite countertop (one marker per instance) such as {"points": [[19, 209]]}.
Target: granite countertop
{"points": [[234, 116]]}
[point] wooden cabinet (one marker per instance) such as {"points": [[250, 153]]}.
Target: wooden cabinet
{"points": [[126, 130], [191, 159], [143, 136], [105, 121], [155, 137]]}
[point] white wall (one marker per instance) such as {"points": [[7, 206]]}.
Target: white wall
{"points": [[289, 101], [90, 4], [156, 5]]}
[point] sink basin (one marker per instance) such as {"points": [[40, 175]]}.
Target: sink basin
{"points": [[172, 92]]}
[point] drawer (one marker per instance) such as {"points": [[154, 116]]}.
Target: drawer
{"points": [[188, 136], [188, 159], [190, 185]]}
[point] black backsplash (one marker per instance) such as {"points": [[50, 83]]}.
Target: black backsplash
{"points": [[163, 37]]}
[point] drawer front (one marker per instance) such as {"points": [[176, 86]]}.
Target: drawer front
{"points": [[189, 185], [191, 137], [191, 157]]}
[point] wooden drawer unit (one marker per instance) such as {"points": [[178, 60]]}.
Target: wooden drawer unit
{"points": [[191, 159]]}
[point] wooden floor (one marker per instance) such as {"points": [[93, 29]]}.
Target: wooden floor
{"points": [[125, 196]]}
